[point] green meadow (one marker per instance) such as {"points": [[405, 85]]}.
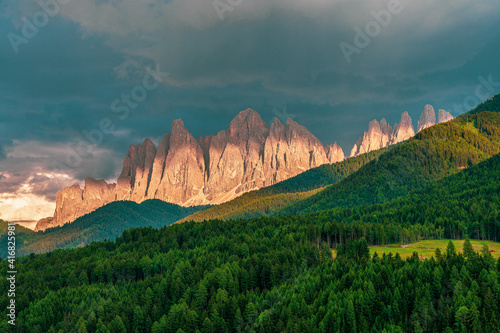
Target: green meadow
{"points": [[426, 248]]}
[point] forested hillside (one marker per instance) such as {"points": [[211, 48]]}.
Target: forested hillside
{"points": [[23, 236], [250, 205], [267, 200], [492, 104], [467, 203], [434, 153], [107, 222], [277, 274], [270, 275]]}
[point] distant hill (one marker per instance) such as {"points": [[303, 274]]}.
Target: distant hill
{"points": [[107, 222], [23, 236]]}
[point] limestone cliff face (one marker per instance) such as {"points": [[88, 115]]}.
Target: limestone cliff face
{"points": [[444, 116], [235, 158], [427, 119], [136, 173], [182, 170], [381, 135], [334, 153], [289, 150], [44, 224], [402, 130], [158, 167], [377, 137], [73, 202], [69, 197]]}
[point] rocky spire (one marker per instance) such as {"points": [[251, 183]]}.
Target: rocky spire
{"points": [[334, 153], [289, 150], [184, 169], [403, 130], [381, 135], [444, 116], [376, 138], [427, 119], [136, 173]]}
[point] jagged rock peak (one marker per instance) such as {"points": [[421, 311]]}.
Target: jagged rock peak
{"points": [[180, 136], [374, 125], [334, 153], [427, 119], [377, 137], [381, 135], [91, 184], [403, 130], [277, 124], [406, 119], [149, 145], [385, 127], [178, 126], [295, 130], [247, 128], [444, 116], [289, 150], [248, 117], [136, 169]]}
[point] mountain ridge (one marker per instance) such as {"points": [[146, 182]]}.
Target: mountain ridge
{"points": [[182, 170], [382, 135], [433, 154], [249, 155]]}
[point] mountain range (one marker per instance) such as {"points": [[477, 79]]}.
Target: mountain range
{"points": [[324, 250], [373, 178], [249, 155], [381, 135]]}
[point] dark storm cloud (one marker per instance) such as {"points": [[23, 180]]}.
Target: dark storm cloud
{"points": [[5, 145]]}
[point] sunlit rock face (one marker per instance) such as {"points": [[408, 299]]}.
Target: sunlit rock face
{"points": [[249, 155], [403, 130], [44, 224], [334, 153], [427, 119], [289, 150], [381, 135], [73, 202], [377, 137], [444, 116]]}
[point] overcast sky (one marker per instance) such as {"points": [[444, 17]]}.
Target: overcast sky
{"points": [[60, 80]]}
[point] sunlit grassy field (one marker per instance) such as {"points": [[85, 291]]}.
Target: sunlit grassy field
{"points": [[426, 248]]}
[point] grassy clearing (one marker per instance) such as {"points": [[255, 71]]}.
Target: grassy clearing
{"points": [[426, 248]]}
